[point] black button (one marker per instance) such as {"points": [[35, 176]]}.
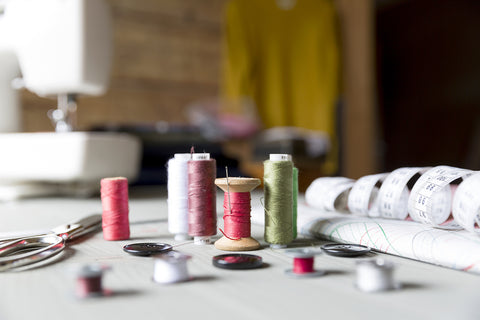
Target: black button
{"points": [[237, 261], [345, 250], [147, 249]]}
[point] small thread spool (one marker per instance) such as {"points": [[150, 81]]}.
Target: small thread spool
{"points": [[236, 214], [375, 275], [89, 281], [202, 215], [278, 188], [303, 263], [177, 186], [114, 195], [171, 267]]}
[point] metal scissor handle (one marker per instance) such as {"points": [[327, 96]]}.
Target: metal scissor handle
{"points": [[23, 251]]}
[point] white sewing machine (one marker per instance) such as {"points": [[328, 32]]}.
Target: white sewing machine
{"points": [[61, 48]]}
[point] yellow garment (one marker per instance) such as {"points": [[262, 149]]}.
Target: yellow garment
{"points": [[287, 61]]}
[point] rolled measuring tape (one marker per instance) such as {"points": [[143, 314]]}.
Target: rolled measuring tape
{"points": [[363, 196], [394, 193], [430, 201], [329, 193], [466, 204]]}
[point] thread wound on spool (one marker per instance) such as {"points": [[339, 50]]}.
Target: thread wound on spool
{"points": [[202, 217], [278, 182], [177, 201], [236, 215], [114, 195], [303, 265], [295, 201]]}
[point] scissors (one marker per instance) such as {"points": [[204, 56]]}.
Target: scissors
{"points": [[16, 252]]}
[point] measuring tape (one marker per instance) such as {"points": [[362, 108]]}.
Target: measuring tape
{"points": [[387, 195], [466, 203], [329, 193], [431, 199]]}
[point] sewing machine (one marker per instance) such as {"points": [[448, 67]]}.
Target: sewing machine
{"points": [[63, 49]]}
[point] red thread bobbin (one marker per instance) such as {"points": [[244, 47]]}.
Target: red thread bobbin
{"points": [[236, 236], [114, 194], [303, 263]]}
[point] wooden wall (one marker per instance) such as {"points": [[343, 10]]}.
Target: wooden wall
{"points": [[167, 55]]}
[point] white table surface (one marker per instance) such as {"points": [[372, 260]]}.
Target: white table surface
{"points": [[267, 293]]}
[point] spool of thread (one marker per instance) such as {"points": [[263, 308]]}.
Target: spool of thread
{"points": [[177, 201], [114, 195], [303, 263], [375, 275], [89, 281], [171, 267], [278, 188], [202, 206], [236, 214], [295, 201]]}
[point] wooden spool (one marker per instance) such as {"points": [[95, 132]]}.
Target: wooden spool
{"points": [[237, 185]]}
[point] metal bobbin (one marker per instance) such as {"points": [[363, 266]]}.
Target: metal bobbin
{"points": [[89, 281], [375, 275], [171, 267], [303, 263]]}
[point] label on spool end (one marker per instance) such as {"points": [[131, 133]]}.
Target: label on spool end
{"points": [[280, 157], [201, 156], [183, 156]]}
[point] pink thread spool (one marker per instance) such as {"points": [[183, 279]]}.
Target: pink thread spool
{"points": [[114, 195], [202, 205], [89, 281], [236, 214], [303, 263]]}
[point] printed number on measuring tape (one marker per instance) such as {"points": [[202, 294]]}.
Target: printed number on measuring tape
{"points": [[431, 199]]}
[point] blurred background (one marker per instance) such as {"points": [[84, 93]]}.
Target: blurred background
{"points": [[398, 86]]}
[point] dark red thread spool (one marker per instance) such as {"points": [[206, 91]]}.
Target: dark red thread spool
{"points": [[236, 214], [114, 195], [89, 281], [202, 215], [303, 263]]}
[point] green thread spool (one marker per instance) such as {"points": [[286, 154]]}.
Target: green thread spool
{"points": [[295, 201], [278, 189]]}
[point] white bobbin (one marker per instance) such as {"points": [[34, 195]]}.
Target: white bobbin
{"points": [[178, 196], [375, 275], [171, 267]]}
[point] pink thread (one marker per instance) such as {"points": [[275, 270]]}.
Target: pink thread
{"points": [[236, 215], [115, 223], [302, 265], [202, 206]]}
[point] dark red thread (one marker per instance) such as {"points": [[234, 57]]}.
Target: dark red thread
{"points": [[202, 216], [114, 195]]}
